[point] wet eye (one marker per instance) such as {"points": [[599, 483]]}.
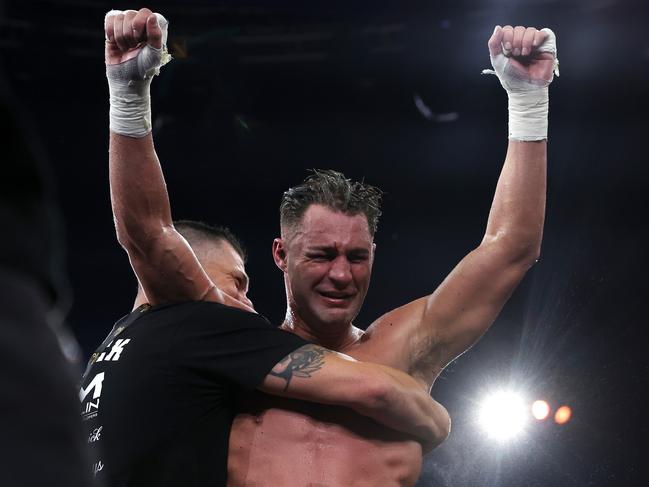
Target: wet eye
{"points": [[318, 257], [357, 258]]}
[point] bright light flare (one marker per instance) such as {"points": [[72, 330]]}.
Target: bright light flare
{"points": [[540, 410], [503, 415], [563, 415]]}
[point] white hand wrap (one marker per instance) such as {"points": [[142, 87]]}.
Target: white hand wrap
{"points": [[528, 98], [129, 82]]}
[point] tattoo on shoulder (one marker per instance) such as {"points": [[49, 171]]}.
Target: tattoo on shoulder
{"points": [[303, 362]]}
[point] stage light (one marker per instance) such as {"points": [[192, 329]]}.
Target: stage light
{"points": [[540, 410], [563, 415], [503, 415]]}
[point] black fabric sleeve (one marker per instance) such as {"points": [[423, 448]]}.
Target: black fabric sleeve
{"points": [[227, 343]]}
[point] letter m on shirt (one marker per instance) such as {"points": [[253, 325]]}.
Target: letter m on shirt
{"points": [[95, 385]]}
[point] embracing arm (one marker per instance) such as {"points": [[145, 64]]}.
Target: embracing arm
{"points": [[390, 397]]}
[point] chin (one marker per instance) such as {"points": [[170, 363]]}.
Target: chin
{"points": [[333, 317]]}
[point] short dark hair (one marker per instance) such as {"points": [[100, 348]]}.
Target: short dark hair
{"points": [[196, 232], [332, 190]]}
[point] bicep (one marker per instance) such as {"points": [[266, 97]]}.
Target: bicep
{"points": [[430, 332], [463, 307], [313, 373]]}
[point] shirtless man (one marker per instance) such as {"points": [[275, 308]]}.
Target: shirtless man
{"points": [[326, 252], [187, 358]]}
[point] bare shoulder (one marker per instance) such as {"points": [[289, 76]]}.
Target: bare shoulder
{"points": [[390, 338]]}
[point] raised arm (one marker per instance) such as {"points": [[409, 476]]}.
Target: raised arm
{"points": [[437, 328], [163, 261], [390, 397], [168, 269]]}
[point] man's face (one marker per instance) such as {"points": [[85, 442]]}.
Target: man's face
{"points": [[225, 267], [328, 263]]}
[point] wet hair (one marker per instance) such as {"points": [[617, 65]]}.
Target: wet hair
{"points": [[196, 232], [333, 190]]}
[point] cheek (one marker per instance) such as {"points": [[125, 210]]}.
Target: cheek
{"points": [[361, 273], [307, 275], [228, 287], [232, 290]]}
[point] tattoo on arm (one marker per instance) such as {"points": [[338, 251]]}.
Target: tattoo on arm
{"points": [[304, 362]]}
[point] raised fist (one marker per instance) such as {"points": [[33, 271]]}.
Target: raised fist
{"points": [[136, 42], [128, 32], [523, 58], [135, 51]]}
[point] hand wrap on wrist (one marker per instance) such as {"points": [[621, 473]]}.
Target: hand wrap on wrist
{"points": [[528, 98], [129, 82]]}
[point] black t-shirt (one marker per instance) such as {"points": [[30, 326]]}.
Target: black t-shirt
{"points": [[157, 396]]}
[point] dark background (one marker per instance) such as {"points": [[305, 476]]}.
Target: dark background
{"points": [[261, 91]]}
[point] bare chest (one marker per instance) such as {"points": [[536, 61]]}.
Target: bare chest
{"points": [[275, 441], [278, 442]]}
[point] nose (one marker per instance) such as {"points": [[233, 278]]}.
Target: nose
{"points": [[340, 271]]}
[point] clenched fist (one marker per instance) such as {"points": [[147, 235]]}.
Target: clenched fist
{"points": [[135, 50], [128, 32], [524, 54], [525, 61]]}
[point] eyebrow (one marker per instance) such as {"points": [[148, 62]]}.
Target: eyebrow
{"points": [[332, 248]]}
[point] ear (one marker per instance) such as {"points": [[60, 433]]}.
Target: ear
{"points": [[279, 253], [373, 253]]}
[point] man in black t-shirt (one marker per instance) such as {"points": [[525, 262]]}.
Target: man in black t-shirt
{"points": [[157, 396]]}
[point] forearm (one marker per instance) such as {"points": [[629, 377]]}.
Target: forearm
{"points": [[138, 193], [390, 397], [518, 209], [406, 406], [165, 265], [525, 61], [134, 52]]}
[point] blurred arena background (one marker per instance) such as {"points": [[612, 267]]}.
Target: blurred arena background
{"points": [[391, 92]]}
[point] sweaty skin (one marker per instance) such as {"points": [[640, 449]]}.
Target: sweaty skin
{"points": [[297, 445], [293, 445], [327, 266], [168, 270]]}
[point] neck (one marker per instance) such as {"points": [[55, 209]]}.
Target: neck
{"points": [[333, 337], [140, 299]]}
